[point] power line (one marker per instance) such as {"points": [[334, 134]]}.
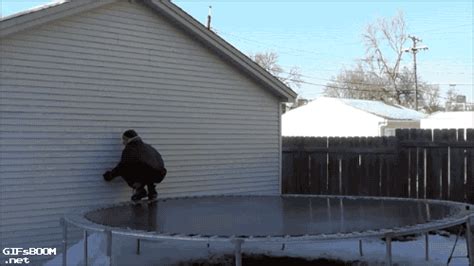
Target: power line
{"points": [[365, 90], [313, 53], [371, 84], [441, 29]]}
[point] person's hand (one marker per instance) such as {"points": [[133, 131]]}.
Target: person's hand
{"points": [[107, 176]]}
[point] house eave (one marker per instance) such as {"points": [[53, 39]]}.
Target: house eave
{"points": [[48, 13]]}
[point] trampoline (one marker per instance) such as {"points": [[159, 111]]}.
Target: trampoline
{"points": [[287, 218]]}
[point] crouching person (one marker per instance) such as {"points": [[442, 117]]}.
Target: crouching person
{"points": [[141, 165]]}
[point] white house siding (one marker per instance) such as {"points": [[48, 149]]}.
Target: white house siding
{"points": [[71, 87]]}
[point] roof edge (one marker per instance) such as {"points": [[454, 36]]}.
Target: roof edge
{"points": [[222, 47], [47, 13], [54, 11]]}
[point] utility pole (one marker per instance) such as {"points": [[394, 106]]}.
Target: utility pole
{"points": [[414, 49]]}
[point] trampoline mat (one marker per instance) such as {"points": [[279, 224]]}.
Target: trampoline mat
{"points": [[269, 215]]}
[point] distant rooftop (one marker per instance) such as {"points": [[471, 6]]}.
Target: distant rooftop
{"points": [[468, 115], [384, 110]]}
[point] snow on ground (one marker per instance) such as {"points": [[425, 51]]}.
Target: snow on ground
{"points": [[173, 252]]}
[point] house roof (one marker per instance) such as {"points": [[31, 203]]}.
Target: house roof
{"points": [[379, 108], [60, 9], [467, 115], [444, 120]]}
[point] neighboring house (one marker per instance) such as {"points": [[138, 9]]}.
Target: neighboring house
{"points": [[76, 74], [336, 117], [442, 120]]}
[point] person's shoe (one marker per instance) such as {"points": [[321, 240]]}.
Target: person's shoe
{"points": [[139, 194], [152, 194]]}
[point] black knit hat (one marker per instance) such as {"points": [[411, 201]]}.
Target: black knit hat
{"points": [[130, 133]]}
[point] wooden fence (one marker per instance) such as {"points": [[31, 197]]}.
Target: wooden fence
{"points": [[417, 163]]}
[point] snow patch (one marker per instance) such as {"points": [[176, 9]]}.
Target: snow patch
{"points": [[172, 252]]}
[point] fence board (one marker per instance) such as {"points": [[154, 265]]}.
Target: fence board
{"points": [[416, 165], [445, 135], [403, 165], [350, 162], [392, 168], [364, 177], [373, 165], [318, 168], [287, 173], [424, 165], [353, 169], [470, 167], [333, 166], [433, 186], [301, 169], [456, 167]]}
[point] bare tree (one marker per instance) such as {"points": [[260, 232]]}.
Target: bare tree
{"points": [[269, 61], [451, 99], [384, 41], [431, 96], [356, 83], [380, 75]]}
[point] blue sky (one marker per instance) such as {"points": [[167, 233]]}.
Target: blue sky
{"points": [[322, 37]]}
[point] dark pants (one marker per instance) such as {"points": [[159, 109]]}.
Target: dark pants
{"points": [[142, 177]]}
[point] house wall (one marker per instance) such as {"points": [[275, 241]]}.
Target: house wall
{"points": [[390, 128], [330, 117], [71, 87]]}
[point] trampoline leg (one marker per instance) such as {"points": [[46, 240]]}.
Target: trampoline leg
{"points": [[469, 244], [427, 247], [64, 225], [86, 259], [238, 251], [138, 246], [109, 246], [389, 250], [360, 248]]}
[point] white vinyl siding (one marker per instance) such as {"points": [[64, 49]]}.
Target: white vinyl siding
{"points": [[71, 87]]}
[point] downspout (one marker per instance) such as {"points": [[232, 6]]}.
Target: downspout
{"points": [[382, 126]]}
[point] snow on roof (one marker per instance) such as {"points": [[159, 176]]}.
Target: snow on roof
{"points": [[50, 4], [444, 120], [452, 115], [384, 110]]}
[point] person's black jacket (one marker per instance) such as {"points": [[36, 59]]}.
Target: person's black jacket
{"points": [[140, 163]]}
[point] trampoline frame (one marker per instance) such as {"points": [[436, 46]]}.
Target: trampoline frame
{"points": [[463, 216]]}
